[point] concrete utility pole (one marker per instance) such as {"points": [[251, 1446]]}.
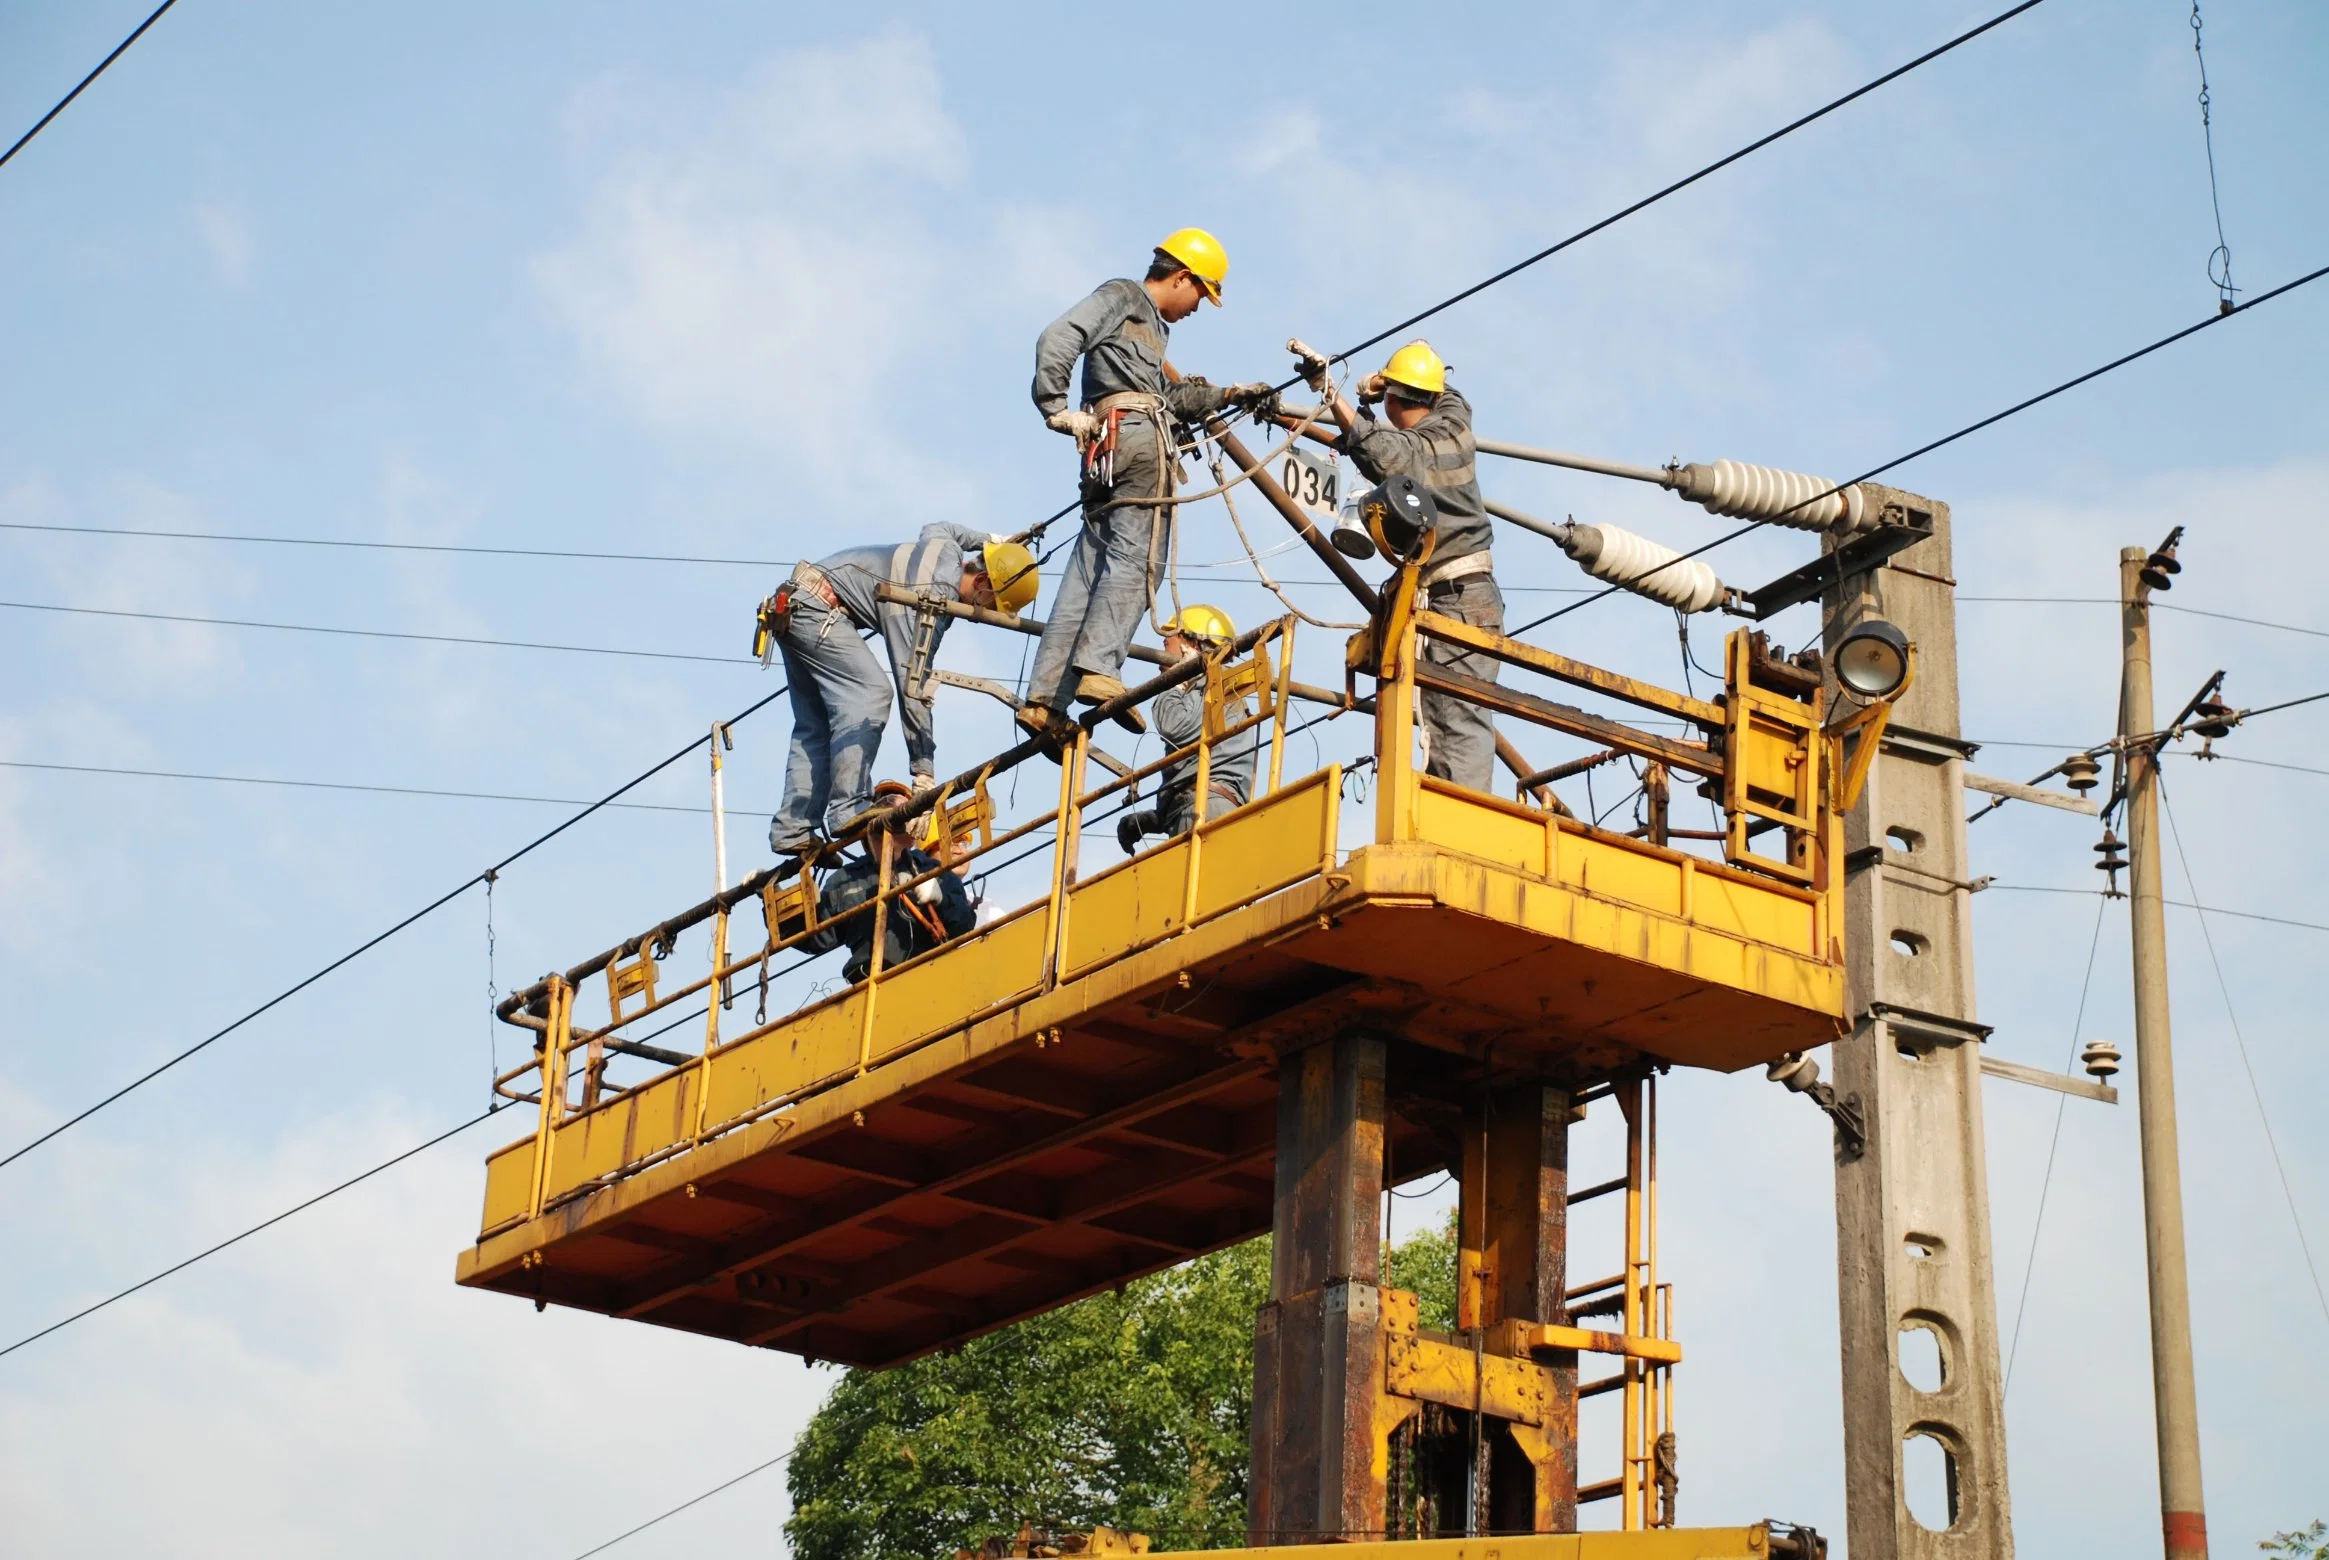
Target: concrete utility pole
{"points": [[2175, 1400], [1912, 1208]]}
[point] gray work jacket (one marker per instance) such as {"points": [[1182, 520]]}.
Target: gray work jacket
{"points": [[1121, 337], [932, 563], [1180, 717], [1437, 452]]}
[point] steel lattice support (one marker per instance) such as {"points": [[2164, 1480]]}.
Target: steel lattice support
{"points": [[1912, 1208]]}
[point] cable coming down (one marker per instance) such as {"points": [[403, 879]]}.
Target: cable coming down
{"points": [[1969, 429], [683, 1505], [64, 102], [264, 1224], [367, 946]]}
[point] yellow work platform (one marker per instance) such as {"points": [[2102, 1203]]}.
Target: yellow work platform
{"points": [[1084, 1090], [1742, 1543]]}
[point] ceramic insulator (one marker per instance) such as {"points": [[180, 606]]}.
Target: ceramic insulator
{"points": [[1645, 567], [1744, 492]]}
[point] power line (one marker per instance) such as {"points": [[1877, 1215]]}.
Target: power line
{"points": [[367, 946], [373, 633], [119, 49], [2156, 606], [1683, 183], [2263, 1117], [683, 1505], [263, 1224], [1947, 439], [2046, 1182], [338, 785], [2180, 904], [371, 546]]}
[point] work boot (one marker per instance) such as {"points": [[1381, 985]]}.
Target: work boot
{"points": [[1096, 689], [1045, 724]]}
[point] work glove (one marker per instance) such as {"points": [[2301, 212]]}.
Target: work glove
{"points": [[923, 783], [1131, 827], [1259, 401], [1076, 423], [1371, 389], [1310, 362]]}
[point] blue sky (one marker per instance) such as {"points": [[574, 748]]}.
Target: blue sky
{"points": [[752, 281]]}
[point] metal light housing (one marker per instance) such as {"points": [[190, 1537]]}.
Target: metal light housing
{"points": [[1350, 536], [1872, 660]]}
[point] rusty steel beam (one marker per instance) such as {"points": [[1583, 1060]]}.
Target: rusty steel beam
{"points": [[1562, 717], [988, 1153]]}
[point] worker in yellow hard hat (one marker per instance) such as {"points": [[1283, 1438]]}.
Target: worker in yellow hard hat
{"points": [[1122, 423], [1425, 432], [1180, 719], [840, 700]]}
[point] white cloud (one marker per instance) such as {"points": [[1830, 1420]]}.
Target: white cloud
{"points": [[226, 237], [765, 271]]}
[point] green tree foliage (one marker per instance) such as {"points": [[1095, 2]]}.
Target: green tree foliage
{"points": [[1129, 1409], [2306, 1543]]}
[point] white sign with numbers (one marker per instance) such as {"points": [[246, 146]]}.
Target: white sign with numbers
{"points": [[1312, 477]]}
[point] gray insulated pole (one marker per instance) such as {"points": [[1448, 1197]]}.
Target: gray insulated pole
{"points": [[2182, 1510]]}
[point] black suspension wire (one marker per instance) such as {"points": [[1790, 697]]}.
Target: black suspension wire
{"points": [[264, 1224], [683, 1505], [693, 745], [1680, 184], [373, 633], [2248, 1066], [343, 785], [2053, 1145], [64, 102], [2219, 258], [370, 546], [1926, 449]]}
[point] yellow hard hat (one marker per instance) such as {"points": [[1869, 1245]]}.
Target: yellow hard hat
{"points": [[1209, 624], [1418, 368], [1202, 253], [1011, 570]]}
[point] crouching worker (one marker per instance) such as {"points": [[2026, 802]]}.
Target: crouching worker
{"points": [[917, 921], [1180, 720], [840, 700]]}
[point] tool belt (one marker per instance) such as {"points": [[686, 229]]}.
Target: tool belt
{"points": [[1454, 569], [776, 613], [1100, 455]]}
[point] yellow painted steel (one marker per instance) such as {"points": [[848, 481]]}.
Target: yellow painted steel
{"points": [[1743, 1543]]}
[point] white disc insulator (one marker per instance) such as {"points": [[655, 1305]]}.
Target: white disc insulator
{"points": [[1744, 492], [1645, 567]]}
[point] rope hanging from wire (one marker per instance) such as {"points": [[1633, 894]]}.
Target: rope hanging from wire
{"points": [[2219, 258]]}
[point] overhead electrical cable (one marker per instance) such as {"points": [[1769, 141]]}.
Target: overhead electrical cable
{"points": [[144, 534], [2156, 606], [1969, 429], [694, 745], [2053, 1143], [264, 1224], [1681, 184], [683, 1505], [65, 102], [2180, 904], [375, 633], [2247, 1065], [339, 785]]}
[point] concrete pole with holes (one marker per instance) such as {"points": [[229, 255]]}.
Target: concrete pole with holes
{"points": [[1912, 1207], [2175, 1399]]}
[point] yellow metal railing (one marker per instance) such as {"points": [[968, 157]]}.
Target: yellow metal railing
{"points": [[1763, 748]]}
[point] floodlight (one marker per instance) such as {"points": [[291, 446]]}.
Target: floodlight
{"points": [[1873, 660]]}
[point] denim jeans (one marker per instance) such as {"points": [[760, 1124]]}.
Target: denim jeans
{"points": [[841, 702], [1463, 735], [1105, 589]]}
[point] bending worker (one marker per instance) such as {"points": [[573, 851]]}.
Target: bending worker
{"points": [[1180, 720], [839, 698], [1426, 433], [1125, 438]]}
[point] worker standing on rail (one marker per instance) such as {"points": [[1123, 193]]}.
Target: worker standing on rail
{"points": [[1126, 445], [839, 698], [1425, 432], [1180, 720]]}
